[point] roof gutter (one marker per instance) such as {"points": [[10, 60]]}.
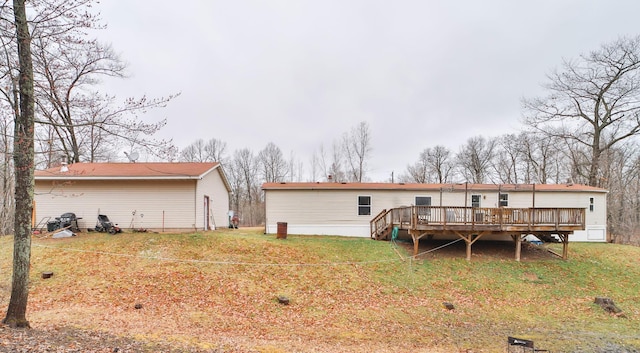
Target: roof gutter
{"points": [[67, 178]]}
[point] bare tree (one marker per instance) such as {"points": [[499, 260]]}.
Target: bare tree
{"points": [[331, 165], [273, 166], [73, 118], [245, 169], [542, 158], [321, 161], [23, 157], [236, 182], [216, 150], [295, 169], [621, 168], [475, 158], [7, 185], [419, 171], [433, 165], [194, 152], [46, 57], [86, 123], [440, 163], [357, 148], [593, 101], [578, 160], [200, 151], [316, 167], [336, 171], [508, 159]]}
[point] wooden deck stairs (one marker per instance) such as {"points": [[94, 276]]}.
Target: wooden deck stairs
{"points": [[380, 228]]}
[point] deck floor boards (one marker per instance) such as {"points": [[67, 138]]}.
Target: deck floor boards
{"points": [[471, 224]]}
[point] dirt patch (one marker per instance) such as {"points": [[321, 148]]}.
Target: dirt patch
{"points": [[67, 340], [530, 276], [73, 340], [482, 249]]}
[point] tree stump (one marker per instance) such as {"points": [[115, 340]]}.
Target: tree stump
{"points": [[609, 306], [448, 306], [47, 274]]}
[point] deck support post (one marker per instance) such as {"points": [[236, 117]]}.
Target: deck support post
{"points": [[469, 239], [416, 242], [471, 223], [518, 240], [565, 245], [416, 236]]}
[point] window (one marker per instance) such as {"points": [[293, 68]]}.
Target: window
{"points": [[591, 204], [475, 200], [364, 205], [423, 212], [503, 200], [423, 200]]}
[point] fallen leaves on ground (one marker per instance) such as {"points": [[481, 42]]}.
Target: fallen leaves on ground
{"points": [[217, 292]]}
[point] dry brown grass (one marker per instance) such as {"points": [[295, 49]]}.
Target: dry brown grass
{"points": [[217, 291]]}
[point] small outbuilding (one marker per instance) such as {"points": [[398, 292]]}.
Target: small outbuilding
{"points": [[137, 196]]}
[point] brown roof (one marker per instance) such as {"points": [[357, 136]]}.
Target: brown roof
{"points": [[425, 187], [128, 171]]}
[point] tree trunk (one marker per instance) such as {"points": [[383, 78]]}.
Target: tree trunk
{"points": [[596, 152], [23, 154]]}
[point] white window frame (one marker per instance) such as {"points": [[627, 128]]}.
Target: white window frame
{"points": [[365, 205], [503, 202], [479, 200]]}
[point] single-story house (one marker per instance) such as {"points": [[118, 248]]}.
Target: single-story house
{"points": [[151, 196], [349, 208]]}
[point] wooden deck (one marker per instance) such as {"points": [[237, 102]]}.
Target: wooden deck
{"points": [[471, 224]]}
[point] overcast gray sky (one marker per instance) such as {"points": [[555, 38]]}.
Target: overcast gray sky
{"points": [[301, 73]]}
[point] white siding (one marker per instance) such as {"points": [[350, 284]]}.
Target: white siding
{"points": [[158, 205], [332, 212], [213, 186], [335, 212]]}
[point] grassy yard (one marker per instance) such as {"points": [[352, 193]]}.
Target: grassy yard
{"points": [[217, 291]]}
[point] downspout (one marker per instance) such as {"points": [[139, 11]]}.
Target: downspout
{"points": [[195, 206], [533, 201], [229, 208], [466, 186], [466, 190], [534, 195], [443, 214], [266, 220]]}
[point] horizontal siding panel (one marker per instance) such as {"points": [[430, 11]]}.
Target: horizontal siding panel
{"points": [[213, 186], [327, 210], [157, 204]]}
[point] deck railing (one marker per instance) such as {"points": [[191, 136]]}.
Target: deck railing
{"points": [[490, 216], [379, 223]]}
